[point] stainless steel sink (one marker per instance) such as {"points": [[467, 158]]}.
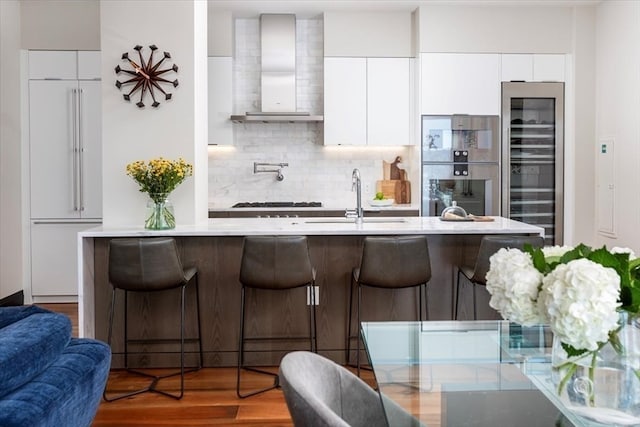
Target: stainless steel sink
{"points": [[352, 220]]}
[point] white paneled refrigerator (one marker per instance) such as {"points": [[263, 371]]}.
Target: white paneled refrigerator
{"points": [[65, 161]]}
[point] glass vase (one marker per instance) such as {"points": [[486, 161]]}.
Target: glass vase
{"points": [[602, 385], [160, 214]]}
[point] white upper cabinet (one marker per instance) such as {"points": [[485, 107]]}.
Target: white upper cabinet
{"points": [[367, 101], [52, 65], [64, 65], [549, 68], [89, 65], [388, 101], [533, 67], [220, 71], [460, 83], [517, 67], [345, 101]]}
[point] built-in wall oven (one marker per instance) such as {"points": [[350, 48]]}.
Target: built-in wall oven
{"points": [[461, 163]]}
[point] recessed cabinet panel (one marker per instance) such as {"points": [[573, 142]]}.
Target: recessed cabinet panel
{"points": [[388, 101], [460, 83], [52, 65], [345, 105], [220, 100]]}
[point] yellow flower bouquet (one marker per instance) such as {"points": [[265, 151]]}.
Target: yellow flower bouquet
{"points": [[158, 178]]}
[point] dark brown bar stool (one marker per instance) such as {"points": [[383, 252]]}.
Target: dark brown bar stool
{"points": [[477, 273], [150, 265], [389, 262], [275, 263]]}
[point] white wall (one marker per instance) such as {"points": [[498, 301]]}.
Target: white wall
{"points": [[175, 129], [500, 29], [580, 156], [63, 24], [11, 218], [618, 112], [381, 34]]}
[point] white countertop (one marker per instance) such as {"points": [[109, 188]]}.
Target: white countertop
{"points": [[323, 226], [366, 207]]}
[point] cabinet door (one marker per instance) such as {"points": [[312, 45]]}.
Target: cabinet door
{"points": [[460, 83], [52, 65], [220, 71], [517, 67], [388, 101], [345, 101], [533, 67], [90, 146], [54, 258], [53, 142], [89, 65], [548, 68]]}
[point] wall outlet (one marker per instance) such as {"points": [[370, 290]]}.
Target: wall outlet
{"points": [[316, 291]]}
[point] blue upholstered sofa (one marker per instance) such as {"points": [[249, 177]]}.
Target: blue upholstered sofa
{"points": [[48, 378]]}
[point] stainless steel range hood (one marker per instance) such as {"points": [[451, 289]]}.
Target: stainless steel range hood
{"points": [[278, 73]]}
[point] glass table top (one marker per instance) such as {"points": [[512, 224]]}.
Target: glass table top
{"points": [[476, 373]]}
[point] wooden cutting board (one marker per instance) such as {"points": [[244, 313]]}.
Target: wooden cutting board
{"points": [[395, 189]]}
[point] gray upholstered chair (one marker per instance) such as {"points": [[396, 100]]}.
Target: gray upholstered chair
{"points": [[392, 262], [321, 393], [477, 273], [274, 263], [151, 265]]}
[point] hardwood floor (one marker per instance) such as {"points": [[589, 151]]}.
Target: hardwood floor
{"points": [[209, 399]]}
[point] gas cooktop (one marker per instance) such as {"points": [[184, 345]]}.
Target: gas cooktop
{"points": [[277, 205]]}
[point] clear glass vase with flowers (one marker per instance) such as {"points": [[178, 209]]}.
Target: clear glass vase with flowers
{"points": [[158, 178], [591, 301]]}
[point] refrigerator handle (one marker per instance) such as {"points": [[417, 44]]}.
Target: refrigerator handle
{"points": [[74, 114], [80, 153]]}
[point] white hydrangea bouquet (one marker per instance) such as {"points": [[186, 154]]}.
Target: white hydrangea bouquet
{"points": [[581, 293]]}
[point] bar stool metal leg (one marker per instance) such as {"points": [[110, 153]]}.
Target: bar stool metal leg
{"points": [[276, 379], [156, 378]]}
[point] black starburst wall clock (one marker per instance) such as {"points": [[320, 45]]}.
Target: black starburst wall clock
{"points": [[147, 76]]}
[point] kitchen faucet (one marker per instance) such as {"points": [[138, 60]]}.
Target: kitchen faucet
{"points": [[356, 184], [260, 168]]}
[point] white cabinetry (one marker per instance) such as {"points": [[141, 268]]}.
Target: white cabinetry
{"points": [[220, 70], [345, 101], [533, 67], [460, 83], [54, 258], [388, 101], [367, 101], [65, 159]]}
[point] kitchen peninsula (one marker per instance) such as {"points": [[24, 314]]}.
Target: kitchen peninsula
{"points": [[335, 247]]}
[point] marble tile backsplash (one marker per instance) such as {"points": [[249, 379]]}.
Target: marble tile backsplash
{"points": [[315, 172]]}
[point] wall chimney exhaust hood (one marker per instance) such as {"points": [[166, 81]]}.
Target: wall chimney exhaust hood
{"points": [[278, 73]]}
